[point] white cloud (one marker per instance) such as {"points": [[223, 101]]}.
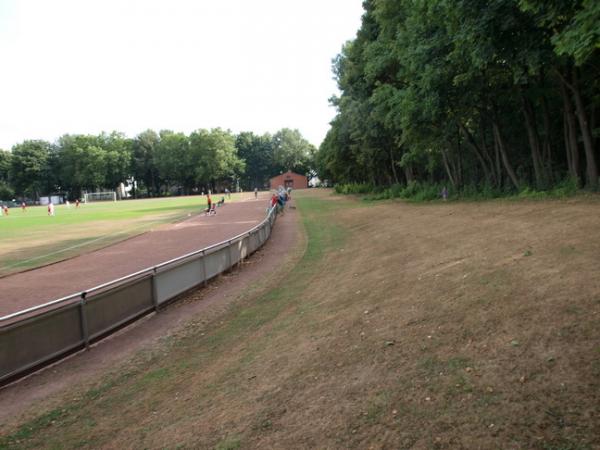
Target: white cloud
{"points": [[83, 66]]}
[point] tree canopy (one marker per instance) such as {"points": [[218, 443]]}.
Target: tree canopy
{"points": [[497, 93], [162, 163]]}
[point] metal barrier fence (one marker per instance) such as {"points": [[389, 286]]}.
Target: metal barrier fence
{"points": [[41, 334]]}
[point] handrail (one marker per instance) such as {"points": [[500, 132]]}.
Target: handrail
{"points": [[132, 275]]}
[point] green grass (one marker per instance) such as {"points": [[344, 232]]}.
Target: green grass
{"points": [[19, 224], [31, 238]]}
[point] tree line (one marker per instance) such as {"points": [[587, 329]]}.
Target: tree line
{"points": [[495, 94], [160, 163]]}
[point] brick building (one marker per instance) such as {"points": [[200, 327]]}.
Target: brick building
{"points": [[289, 179]]}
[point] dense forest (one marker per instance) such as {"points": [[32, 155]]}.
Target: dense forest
{"points": [[163, 163], [470, 94]]}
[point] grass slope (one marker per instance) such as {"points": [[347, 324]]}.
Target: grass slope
{"points": [[402, 326]]}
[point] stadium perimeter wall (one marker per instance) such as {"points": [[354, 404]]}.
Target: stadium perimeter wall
{"points": [[37, 336]]}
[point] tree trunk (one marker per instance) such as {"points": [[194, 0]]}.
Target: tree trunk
{"points": [[448, 169], [547, 146], [408, 173], [593, 126], [496, 175], [504, 155], [394, 173], [568, 153], [471, 141], [588, 144], [534, 140], [571, 136]]}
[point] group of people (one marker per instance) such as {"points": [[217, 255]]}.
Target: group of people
{"points": [[280, 198], [211, 207], [50, 207]]}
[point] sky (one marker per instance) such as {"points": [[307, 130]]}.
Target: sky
{"points": [[86, 66]]}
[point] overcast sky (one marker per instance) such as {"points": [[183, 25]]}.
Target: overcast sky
{"points": [[86, 66]]}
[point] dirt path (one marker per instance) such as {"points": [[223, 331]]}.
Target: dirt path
{"points": [[34, 287], [258, 272]]}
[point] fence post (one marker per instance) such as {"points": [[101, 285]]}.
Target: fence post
{"points": [[229, 264], [203, 253], [154, 290], [83, 319]]}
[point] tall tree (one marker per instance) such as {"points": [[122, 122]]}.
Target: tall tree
{"points": [[172, 157], [291, 151], [257, 153], [144, 165], [215, 157], [467, 92], [6, 191], [118, 157], [28, 165]]}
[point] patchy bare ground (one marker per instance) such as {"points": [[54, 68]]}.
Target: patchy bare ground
{"points": [[458, 325]]}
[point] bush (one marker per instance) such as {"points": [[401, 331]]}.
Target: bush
{"points": [[423, 192], [566, 188], [354, 188]]}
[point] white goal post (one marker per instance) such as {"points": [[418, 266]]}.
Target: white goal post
{"points": [[109, 196]]}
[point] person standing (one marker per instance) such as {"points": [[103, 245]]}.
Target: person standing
{"points": [[255, 192], [51, 209], [24, 206], [208, 202]]}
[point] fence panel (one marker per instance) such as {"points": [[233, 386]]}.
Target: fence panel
{"points": [[173, 281], [111, 309], [37, 339], [237, 250], [217, 262]]}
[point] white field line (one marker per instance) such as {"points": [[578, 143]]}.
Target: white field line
{"points": [[19, 263]]}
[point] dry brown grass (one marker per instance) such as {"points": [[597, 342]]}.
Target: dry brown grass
{"points": [[468, 325]]}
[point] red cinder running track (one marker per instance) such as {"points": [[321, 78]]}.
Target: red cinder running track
{"points": [[35, 287]]}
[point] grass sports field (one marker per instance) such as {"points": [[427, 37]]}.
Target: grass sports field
{"points": [[32, 238]]}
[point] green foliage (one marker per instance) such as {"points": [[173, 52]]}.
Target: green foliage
{"points": [[230, 443], [144, 168], [214, 156], [28, 167], [467, 94], [422, 192], [292, 152], [5, 162], [354, 188], [156, 163], [6, 192], [257, 153]]}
